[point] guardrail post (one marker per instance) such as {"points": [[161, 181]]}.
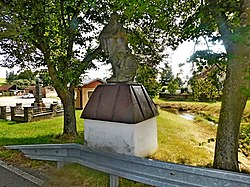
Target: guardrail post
{"points": [[59, 164], [113, 181]]}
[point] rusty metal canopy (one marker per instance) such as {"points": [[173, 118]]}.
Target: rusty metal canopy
{"points": [[120, 102]]}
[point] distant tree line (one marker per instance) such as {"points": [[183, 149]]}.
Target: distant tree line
{"points": [[27, 78]]}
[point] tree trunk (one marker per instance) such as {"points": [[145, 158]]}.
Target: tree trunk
{"points": [[233, 104], [69, 112], [65, 94], [234, 99]]}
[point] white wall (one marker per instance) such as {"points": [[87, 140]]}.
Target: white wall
{"points": [[131, 139]]}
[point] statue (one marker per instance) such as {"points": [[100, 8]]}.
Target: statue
{"points": [[38, 103], [114, 42]]}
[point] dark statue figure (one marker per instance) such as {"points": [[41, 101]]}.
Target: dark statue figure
{"points": [[38, 103], [38, 93], [114, 42]]}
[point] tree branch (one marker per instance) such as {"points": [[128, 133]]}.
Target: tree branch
{"points": [[71, 31], [62, 14], [225, 32], [87, 60]]}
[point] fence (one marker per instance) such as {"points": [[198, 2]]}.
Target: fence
{"points": [[142, 170], [176, 97], [29, 113]]}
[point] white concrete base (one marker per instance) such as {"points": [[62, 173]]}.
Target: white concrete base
{"points": [[131, 139]]}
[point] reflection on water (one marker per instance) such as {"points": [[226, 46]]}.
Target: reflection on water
{"points": [[187, 116]]}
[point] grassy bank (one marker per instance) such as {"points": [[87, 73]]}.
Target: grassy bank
{"points": [[183, 141], [210, 111], [2, 81], [179, 141]]}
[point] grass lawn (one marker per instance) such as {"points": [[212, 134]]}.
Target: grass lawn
{"points": [[179, 141], [46, 131], [183, 141], [2, 81]]}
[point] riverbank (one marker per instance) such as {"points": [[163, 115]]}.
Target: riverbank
{"points": [[209, 113], [208, 110]]}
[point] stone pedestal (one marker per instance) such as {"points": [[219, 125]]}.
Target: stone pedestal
{"points": [[39, 104], [28, 114], [19, 106], [121, 118], [12, 113], [138, 139], [3, 114]]}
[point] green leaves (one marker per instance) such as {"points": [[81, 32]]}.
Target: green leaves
{"points": [[166, 75], [147, 75], [173, 86], [204, 90], [204, 59]]}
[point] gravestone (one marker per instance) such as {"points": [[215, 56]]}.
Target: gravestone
{"points": [[120, 116]]}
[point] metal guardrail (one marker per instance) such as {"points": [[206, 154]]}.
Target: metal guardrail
{"points": [[138, 169]]}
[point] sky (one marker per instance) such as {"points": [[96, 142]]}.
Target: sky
{"points": [[180, 55]]}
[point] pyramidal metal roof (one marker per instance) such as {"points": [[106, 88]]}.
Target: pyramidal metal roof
{"points": [[120, 102]]}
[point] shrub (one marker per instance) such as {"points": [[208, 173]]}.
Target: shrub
{"points": [[204, 90]]}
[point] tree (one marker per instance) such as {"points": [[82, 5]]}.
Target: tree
{"points": [[22, 83], [204, 90], [211, 65], [28, 75], [166, 75], [228, 21], [147, 76], [44, 76], [63, 36], [10, 77], [173, 86], [22, 79], [43, 33], [179, 80]]}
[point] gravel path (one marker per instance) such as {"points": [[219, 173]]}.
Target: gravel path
{"points": [[11, 101]]}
